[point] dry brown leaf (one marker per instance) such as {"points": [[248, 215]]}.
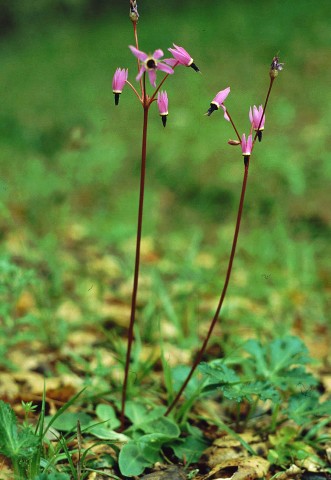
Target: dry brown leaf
{"points": [[169, 473], [24, 304], [240, 469], [227, 448]]}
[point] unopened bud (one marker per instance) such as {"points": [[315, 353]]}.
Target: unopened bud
{"points": [[234, 142], [134, 15]]}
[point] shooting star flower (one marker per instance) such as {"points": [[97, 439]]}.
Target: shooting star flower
{"points": [[246, 145], [150, 64], [119, 79], [182, 57], [162, 103], [217, 102], [257, 119]]}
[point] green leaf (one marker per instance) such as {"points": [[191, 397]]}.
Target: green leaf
{"points": [[179, 374], [303, 408], [162, 425], [15, 443], [67, 422], [135, 411], [131, 460], [288, 351], [107, 414], [105, 433], [150, 446], [8, 430], [239, 392], [190, 449], [280, 362], [217, 371], [53, 476]]}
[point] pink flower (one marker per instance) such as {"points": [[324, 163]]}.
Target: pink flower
{"points": [[181, 56], [255, 117], [150, 63], [119, 79], [246, 146], [217, 102], [162, 103]]}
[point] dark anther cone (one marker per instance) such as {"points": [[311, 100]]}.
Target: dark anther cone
{"points": [[117, 98], [164, 120], [211, 109], [259, 135], [193, 65], [246, 160]]}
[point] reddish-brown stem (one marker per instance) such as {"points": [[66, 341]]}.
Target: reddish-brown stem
{"points": [[234, 127], [264, 108], [229, 269], [161, 83], [137, 260], [225, 286], [134, 90], [135, 32]]}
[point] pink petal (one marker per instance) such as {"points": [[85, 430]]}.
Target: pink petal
{"points": [[140, 74], [158, 54], [250, 115], [221, 96], [152, 77], [226, 116], [181, 50], [170, 61], [164, 68], [138, 53]]}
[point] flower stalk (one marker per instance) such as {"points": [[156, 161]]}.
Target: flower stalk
{"points": [[247, 148], [137, 261], [147, 65]]}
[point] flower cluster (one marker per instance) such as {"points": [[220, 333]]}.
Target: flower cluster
{"points": [[151, 64], [256, 117]]}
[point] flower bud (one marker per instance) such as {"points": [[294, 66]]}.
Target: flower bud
{"points": [[134, 15], [275, 67]]}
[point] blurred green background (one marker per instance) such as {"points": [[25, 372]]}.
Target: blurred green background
{"points": [[70, 160]]}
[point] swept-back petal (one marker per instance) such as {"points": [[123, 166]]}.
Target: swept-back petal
{"points": [[140, 74], [158, 54], [164, 68], [138, 53], [170, 61], [226, 116], [221, 96], [152, 77]]}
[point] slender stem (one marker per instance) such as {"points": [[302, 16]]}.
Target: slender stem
{"points": [[137, 47], [161, 83], [134, 90], [220, 303], [234, 127], [264, 109], [232, 254], [137, 260]]}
